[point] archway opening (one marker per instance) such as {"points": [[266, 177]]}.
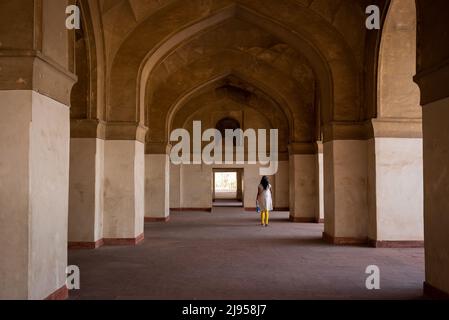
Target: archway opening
{"points": [[227, 188]]}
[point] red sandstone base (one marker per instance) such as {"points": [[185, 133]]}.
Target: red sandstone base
{"points": [[303, 219], [124, 242], [191, 209], [344, 241], [162, 219], [434, 293], [60, 294], [396, 244], [86, 245]]}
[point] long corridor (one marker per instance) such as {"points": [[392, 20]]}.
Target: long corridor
{"points": [[228, 255]]}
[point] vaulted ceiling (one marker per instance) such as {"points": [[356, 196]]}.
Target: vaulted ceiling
{"points": [[306, 56]]}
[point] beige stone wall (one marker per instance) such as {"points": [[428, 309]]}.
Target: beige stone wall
{"points": [[183, 195], [196, 186], [398, 94], [54, 41]]}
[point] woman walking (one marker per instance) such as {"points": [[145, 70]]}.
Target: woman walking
{"points": [[264, 200]]}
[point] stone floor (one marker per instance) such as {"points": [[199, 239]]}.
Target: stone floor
{"points": [[227, 255]]}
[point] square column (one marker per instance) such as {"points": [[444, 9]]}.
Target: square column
{"points": [[320, 216], [396, 194], [304, 197], [124, 174], [175, 186], [157, 187], [282, 185], [34, 175], [436, 191], [86, 193], [345, 191]]}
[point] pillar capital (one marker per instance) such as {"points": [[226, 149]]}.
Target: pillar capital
{"points": [[162, 147], [302, 148], [31, 70], [94, 128], [121, 131], [397, 128], [347, 131], [320, 146]]}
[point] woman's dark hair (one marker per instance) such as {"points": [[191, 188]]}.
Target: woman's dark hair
{"points": [[265, 183]]}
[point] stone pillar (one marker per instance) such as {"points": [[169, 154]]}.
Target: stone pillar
{"points": [[251, 181], [436, 191], [35, 85], [282, 187], [432, 78], [239, 195], [175, 187], [345, 183], [157, 185], [198, 198], [304, 197], [124, 184], [396, 184], [320, 215], [86, 186], [395, 151]]}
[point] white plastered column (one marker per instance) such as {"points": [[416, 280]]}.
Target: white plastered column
{"points": [[34, 180], [345, 184], [320, 215], [396, 184], [86, 193], [157, 187], [124, 174]]}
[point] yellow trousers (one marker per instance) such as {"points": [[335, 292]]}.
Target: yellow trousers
{"points": [[265, 216]]}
